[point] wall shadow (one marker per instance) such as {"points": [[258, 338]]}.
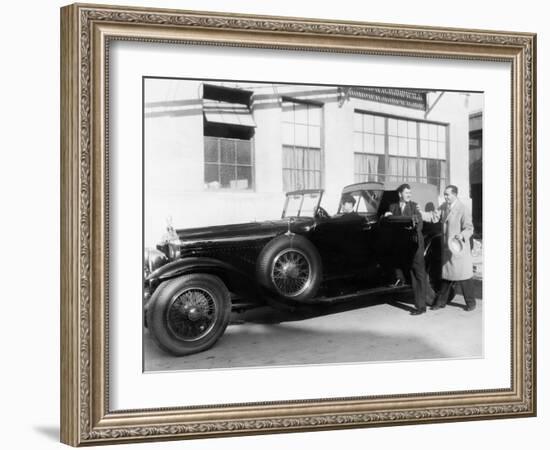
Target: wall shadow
{"points": [[50, 432]]}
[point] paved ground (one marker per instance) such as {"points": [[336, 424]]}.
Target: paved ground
{"points": [[363, 330]]}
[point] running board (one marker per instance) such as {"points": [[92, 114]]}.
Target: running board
{"points": [[240, 304], [372, 291]]}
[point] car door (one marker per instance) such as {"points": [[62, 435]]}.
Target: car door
{"points": [[342, 242], [396, 241]]}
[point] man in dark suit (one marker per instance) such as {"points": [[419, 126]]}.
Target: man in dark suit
{"points": [[407, 208]]}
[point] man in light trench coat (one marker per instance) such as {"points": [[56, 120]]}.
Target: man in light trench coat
{"points": [[457, 266]]}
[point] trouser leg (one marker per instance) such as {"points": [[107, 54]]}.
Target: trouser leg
{"points": [[468, 292], [419, 280], [419, 295], [444, 291]]}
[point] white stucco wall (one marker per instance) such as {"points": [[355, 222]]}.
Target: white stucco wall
{"points": [[338, 153], [447, 110], [475, 103]]}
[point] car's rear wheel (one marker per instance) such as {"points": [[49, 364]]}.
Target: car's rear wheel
{"points": [[290, 267], [189, 314]]}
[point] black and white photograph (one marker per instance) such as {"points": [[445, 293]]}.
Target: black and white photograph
{"points": [[292, 224]]}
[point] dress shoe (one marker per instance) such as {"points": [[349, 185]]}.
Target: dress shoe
{"points": [[417, 311], [469, 307], [436, 307]]}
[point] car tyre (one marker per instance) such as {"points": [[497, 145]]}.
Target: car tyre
{"points": [[189, 314], [289, 266]]}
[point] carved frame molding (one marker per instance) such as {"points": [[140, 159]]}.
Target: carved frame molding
{"points": [[86, 32]]}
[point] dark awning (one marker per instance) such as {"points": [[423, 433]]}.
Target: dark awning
{"points": [[228, 113]]}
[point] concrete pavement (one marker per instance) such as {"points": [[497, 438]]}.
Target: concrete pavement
{"points": [[364, 330]]}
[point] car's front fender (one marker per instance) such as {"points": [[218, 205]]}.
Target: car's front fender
{"points": [[235, 279]]}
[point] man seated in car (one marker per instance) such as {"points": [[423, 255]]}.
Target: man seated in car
{"points": [[348, 204]]}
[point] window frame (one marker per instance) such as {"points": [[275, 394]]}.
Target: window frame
{"points": [[320, 105], [252, 187], [418, 156], [213, 130]]}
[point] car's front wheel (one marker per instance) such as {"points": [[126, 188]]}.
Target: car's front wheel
{"points": [[189, 314]]}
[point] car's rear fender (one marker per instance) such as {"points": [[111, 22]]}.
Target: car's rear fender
{"points": [[235, 280]]}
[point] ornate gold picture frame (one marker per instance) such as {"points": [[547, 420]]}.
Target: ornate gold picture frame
{"points": [[87, 32]]}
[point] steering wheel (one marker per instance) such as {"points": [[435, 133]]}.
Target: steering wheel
{"points": [[321, 213]]}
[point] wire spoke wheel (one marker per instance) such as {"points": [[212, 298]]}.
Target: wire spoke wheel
{"points": [[192, 314], [291, 272]]}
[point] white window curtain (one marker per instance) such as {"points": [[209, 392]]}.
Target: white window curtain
{"points": [[423, 170], [433, 171], [301, 168], [402, 169], [366, 167]]}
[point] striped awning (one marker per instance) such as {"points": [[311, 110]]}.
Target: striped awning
{"points": [[228, 113]]}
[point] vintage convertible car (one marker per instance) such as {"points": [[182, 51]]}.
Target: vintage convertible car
{"points": [[196, 277]]}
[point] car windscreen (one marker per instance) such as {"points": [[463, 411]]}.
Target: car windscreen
{"points": [[371, 200], [302, 204], [366, 201]]}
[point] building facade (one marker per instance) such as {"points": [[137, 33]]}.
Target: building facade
{"points": [[226, 152]]}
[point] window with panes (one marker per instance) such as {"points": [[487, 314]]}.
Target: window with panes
{"points": [[397, 149], [228, 138], [302, 153], [227, 163]]}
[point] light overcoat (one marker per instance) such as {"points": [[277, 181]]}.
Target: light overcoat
{"points": [[456, 220]]}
